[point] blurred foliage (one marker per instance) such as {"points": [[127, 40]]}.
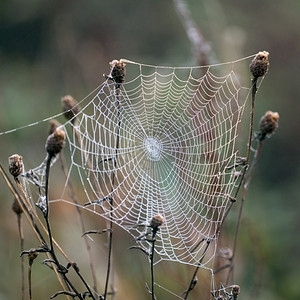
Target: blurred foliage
{"points": [[52, 48]]}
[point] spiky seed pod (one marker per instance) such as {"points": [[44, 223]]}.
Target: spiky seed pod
{"points": [[16, 207], [53, 124], [157, 221], [118, 71], [55, 142], [15, 165], [70, 107], [260, 64], [236, 290], [268, 124]]}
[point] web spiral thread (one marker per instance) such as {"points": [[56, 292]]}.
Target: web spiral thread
{"points": [[162, 142]]}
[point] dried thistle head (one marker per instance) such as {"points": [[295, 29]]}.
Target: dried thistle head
{"points": [[236, 290], [15, 165], [268, 124], [260, 64], [118, 71], [16, 207], [70, 107], [55, 142], [32, 255], [53, 124], [157, 221]]}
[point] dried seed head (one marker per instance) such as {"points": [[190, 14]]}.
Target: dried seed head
{"points": [[156, 221], [268, 124], [55, 142], [15, 165], [118, 71], [70, 107], [53, 124], [16, 207], [260, 64], [32, 255], [236, 290]]}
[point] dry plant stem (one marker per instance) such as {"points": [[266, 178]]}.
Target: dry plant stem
{"points": [[110, 232], [28, 215], [192, 282], [254, 90], [89, 165], [51, 250], [87, 245], [244, 192], [33, 213], [152, 262], [22, 258], [29, 281], [199, 44]]}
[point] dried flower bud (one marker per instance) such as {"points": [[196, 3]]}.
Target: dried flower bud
{"points": [[236, 290], [53, 124], [260, 64], [16, 207], [15, 165], [118, 71], [32, 255], [55, 142], [70, 107], [268, 124], [157, 221]]}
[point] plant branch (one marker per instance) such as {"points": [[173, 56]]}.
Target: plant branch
{"points": [[87, 245], [244, 193], [51, 251], [199, 46], [152, 268], [110, 231], [254, 90], [22, 249], [27, 210], [193, 282]]}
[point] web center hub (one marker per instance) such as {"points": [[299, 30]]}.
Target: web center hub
{"points": [[153, 148]]}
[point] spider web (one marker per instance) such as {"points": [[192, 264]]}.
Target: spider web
{"points": [[163, 142]]}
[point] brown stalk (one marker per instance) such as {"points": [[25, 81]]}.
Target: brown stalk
{"points": [[244, 193], [28, 214], [110, 231], [87, 245], [51, 250], [22, 249]]}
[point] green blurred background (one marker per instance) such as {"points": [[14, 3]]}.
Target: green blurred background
{"points": [[52, 48]]}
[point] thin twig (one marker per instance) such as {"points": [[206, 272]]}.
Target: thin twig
{"points": [[199, 45], [28, 212], [254, 90], [87, 245], [244, 192], [152, 265], [29, 281], [75, 267], [34, 214], [46, 216], [110, 231], [194, 280], [19, 216]]}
